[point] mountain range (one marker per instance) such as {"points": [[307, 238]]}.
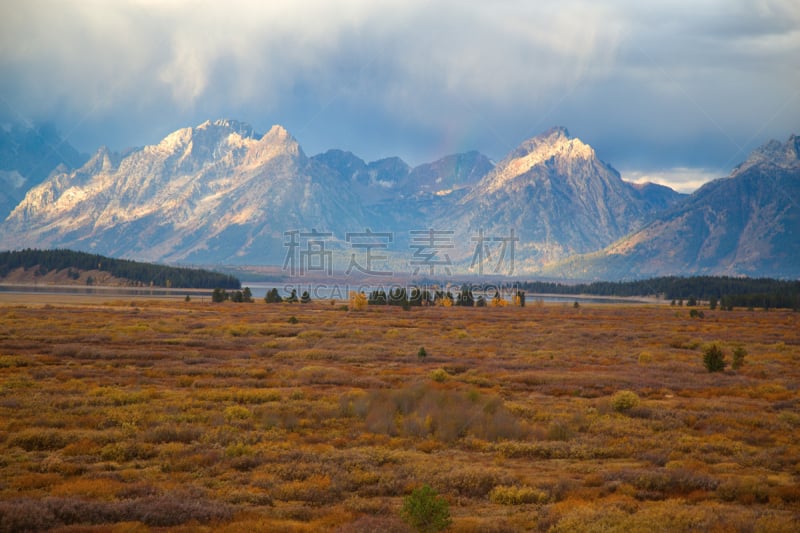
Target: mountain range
{"points": [[220, 193], [745, 224]]}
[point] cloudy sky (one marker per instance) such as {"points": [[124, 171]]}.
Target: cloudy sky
{"points": [[674, 91]]}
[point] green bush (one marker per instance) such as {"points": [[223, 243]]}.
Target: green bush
{"points": [[40, 440], [513, 495], [624, 400], [426, 511], [272, 296], [714, 358], [739, 354], [439, 375], [218, 295]]}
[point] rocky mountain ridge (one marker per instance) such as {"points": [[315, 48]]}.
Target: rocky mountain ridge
{"points": [[745, 224], [28, 154], [220, 193], [559, 198]]}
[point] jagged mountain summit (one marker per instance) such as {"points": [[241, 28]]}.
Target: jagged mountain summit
{"points": [[392, 179], [214, 193], [221, 193], [559, 198], [371, 182], [745, 224], [28, 154]]}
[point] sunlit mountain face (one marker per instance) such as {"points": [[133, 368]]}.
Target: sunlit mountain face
{"points": [[222, 193]]}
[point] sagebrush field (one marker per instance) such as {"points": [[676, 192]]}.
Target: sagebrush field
{"points": [[192, 416]]}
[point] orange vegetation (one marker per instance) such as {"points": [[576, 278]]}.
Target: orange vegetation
{"points": [[231, 417]]}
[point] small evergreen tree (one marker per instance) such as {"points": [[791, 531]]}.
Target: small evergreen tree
{"points": [[272, 296], [247, 295], [465, 297], [714, 358], [397, 296], [305, 298], [415, 298], [219, 295], [726, 303], [418, 297], [377, 297], [426, 511], [292, 297], [519, 299]]}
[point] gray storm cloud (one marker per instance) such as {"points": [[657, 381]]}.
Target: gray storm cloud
{"points": [[643, 82]]}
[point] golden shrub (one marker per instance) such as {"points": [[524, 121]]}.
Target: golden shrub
{"points": [[517, 495]]}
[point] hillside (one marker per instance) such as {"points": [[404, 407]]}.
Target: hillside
{"points": [[747, 224], [66, 267]]}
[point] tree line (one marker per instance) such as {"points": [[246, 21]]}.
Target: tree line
{"points": [[730, 291], [147, 274], [421, 297], [399, 296]]}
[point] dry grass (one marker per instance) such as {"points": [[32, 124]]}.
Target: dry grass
{"points": [[227, 417]]}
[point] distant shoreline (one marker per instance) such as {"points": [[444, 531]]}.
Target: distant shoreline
{"points": [[17, 293], [78, 287], [44, 294]]}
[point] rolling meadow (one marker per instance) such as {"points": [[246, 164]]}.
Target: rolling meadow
{"points": [[156, 414]]}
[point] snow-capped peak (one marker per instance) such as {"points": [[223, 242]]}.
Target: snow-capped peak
{"points": [[555, 143], [277, 141], [775, 152], [228, 126]]}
